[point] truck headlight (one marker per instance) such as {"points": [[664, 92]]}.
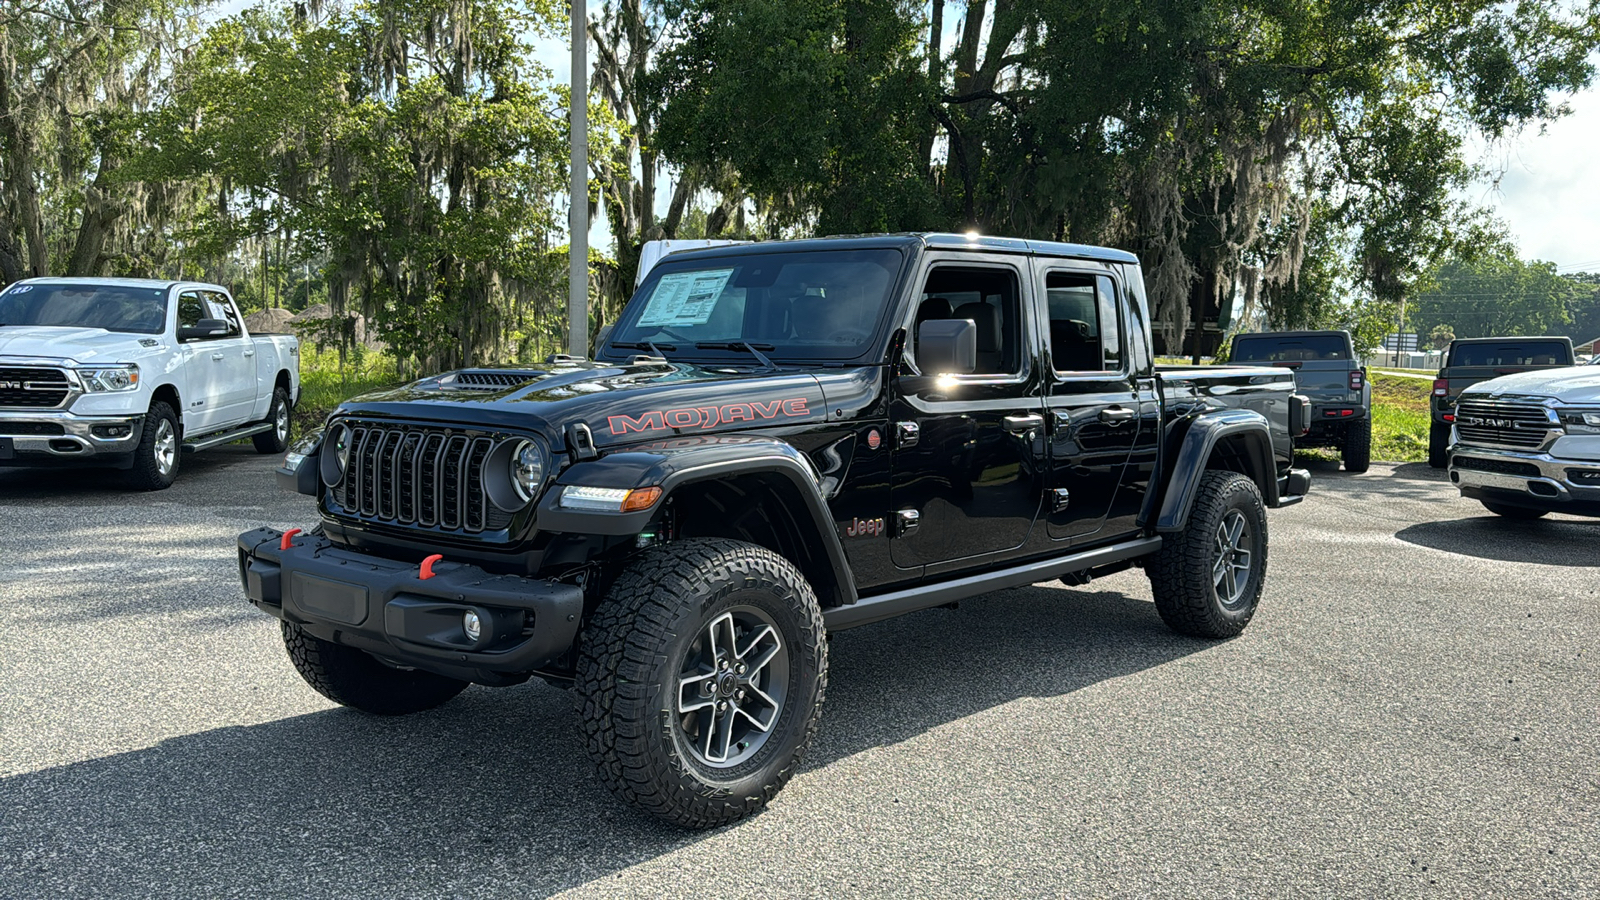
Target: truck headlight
{"points": [[336, 454], [528, 468], [110, 379], [1582, 421]]}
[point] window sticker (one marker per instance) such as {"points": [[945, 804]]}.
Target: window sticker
{"points": [[21, 289], [685, 298]]}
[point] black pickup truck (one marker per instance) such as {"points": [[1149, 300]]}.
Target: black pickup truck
{"points": [[778, 441], [1328, 373], [1471, 360]]}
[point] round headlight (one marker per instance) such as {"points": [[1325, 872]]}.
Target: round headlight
{"points": [[335, 454], [527, 470]]}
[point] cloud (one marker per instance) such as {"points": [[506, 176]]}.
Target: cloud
{"points": [[1548, 191]]}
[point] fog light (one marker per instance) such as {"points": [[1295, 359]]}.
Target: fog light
{"points": [[472, 625]]}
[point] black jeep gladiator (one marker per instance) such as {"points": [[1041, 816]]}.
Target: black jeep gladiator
{"points": [[777, 441], [1326, 371], [1473, 360]]}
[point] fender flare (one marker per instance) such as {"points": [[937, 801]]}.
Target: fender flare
{"points": [[675, 463], [1200, 440]]}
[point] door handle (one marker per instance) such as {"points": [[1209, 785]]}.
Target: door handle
{"points": [[1116, 415], [217, 356], [249, 353], [1024, 424]]}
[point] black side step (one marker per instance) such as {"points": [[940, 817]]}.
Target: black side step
{"points": [[886, 606], [226, 437]]}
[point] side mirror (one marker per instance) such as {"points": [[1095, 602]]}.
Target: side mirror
{"points": [[947, 346], [205, 328]]}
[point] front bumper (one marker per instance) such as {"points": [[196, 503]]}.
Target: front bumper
{"points": [[385, 608], [58, 437], [1528, 479]]}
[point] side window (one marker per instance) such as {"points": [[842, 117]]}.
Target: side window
{"points": [[222, 309], [1085, 330], [988, 297], [191, 309]]}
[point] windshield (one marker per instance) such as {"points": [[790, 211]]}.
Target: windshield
{"points": [[1299, 348], [1517, 353], [133, 310], [796, 305]]}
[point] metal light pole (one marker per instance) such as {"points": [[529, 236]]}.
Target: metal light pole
{"points": [[578, 215]]}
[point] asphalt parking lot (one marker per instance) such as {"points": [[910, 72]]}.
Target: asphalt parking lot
{"points": [[1414, 712]]}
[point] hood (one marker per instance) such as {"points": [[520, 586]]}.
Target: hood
{"points": [[621, 403], [1576, 384], [84, 345]]}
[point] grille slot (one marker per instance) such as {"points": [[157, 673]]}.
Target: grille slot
{"points": [[31, 388], [417, 476], [48, 429], [1521, 425], [1497, 466]]}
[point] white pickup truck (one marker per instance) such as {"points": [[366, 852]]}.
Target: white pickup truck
{"points": [[129, 373]]}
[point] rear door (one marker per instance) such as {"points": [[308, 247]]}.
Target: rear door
{"points": [[1092, 401]]}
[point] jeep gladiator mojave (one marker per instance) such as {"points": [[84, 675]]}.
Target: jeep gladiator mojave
{"points": [[1326, 371], [1529, 444], [1473, 360], [126, 373], [779, 440]]}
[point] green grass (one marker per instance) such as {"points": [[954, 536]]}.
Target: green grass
{"points": [[324, 384]]}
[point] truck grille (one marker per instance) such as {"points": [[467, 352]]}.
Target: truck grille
{"points": [[33, 388], [1491, 422], [1497, 466], [418, 476]]}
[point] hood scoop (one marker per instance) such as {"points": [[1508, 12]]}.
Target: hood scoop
{"points": [[488, 379]]}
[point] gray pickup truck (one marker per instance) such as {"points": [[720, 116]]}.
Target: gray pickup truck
{"points": [[1327, 372], [1473, 360]]}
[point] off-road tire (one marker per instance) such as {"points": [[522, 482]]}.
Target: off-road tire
{"points": [[276, 440], [1357, 450], [356, 679], [1438, 445], [632, 653], [1521, 513], [1182, 571], [147, 474]]}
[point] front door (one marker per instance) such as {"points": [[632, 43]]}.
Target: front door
{"points": [[969, 447], [1092, 403]]}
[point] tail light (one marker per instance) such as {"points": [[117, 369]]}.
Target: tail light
{"points": [[1441, 387], [1356, 379]]}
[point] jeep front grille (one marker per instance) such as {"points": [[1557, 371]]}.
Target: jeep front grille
{"points": [[1495, 423], [32, 388], [417, 476]]}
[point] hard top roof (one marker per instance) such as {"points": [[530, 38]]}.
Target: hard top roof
{"points": [[931, 240]]}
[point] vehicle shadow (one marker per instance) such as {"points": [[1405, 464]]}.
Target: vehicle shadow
{"points": [[1551, 542], [491, 794], [77, 487]]}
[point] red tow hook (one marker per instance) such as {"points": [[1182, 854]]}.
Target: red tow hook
{"points": [[427, 566], [287, 536]]}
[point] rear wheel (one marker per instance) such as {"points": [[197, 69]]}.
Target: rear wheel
{"points": [[1207, 579], [350, 677], [1514, 512], [276, 440], [1358, 446], [1438, 445], [700, 680]]}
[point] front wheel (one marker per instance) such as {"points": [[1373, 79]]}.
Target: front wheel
{"points": [[700, 680], [1207, 579], [1357, 452], [356, 679], [1438, 445], [155, 460]]}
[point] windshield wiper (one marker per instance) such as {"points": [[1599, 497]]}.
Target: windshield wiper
{"points": [[652, 346], [754, 349]]}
